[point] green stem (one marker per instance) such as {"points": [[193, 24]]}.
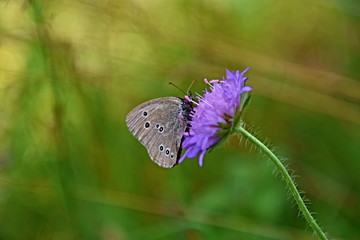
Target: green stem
{"points": [[289, 181]]}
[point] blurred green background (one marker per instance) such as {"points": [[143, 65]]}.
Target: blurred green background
{"points": [[70, 71]]}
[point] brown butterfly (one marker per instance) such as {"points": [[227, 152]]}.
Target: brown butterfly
{"points": [[159, 125]]}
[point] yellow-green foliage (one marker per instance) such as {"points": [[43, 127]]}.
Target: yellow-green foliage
{"points": [[70, 71]]}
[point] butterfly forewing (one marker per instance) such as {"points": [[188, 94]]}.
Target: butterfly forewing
{"points": [[158, 124]]}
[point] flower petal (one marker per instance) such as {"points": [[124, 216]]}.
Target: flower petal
{"points": [[215, 110]]}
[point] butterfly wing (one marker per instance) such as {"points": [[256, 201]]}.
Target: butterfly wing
{"points": [[158, 124]]}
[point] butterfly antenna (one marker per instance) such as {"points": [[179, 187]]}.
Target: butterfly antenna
{"points": [[178, 88], [188, 90]]}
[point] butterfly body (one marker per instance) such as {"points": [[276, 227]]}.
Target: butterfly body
{"points": [[159, 125]]}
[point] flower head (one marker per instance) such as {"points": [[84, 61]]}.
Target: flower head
{"points": [[216, 112]]}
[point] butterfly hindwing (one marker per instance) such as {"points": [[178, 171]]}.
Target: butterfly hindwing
{"points": [[158, 124]]}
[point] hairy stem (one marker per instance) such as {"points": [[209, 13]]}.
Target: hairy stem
{"points": [[285, 175]]}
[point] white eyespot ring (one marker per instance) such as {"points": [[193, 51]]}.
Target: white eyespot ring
{"points": [[171, 155], [145, 113], [147, 125], [167, 152], [157, 125], [161, 148], [161, 129]]}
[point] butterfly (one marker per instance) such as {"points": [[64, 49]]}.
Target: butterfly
{"points": [[159, 125]]}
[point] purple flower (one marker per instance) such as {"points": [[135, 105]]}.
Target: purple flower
{"points": [[216, 111]]}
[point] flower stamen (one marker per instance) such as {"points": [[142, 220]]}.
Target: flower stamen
{"points": [[189, 99]]}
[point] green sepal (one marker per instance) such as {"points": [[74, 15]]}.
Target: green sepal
{"points": [[237, 118], [222, 133], [224, 125], [246, 99]]}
